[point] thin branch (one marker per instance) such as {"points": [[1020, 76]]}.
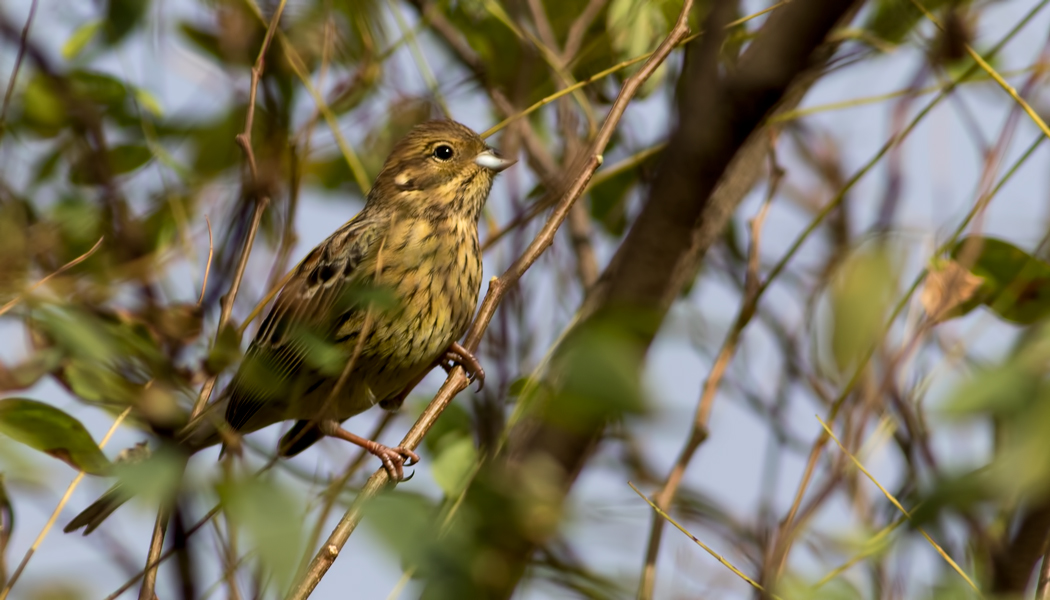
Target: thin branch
{"points": [[749, 304], [22, 44], [207, 266], [69, 265]]}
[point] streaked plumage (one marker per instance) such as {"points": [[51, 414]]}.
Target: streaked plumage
{"points": [[416, 240]]}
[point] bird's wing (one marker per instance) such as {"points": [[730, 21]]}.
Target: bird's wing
{"points": [[312, 305]]}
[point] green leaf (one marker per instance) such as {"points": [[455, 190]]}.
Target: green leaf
{"points": [[454, 464], [861, 293], [892, 20], [120, 160], [80, 39], [149, 102], [272, 518], [1016, 284], [636, 27], [30, 371], [122, 16], [43, 108], [50, 430]]}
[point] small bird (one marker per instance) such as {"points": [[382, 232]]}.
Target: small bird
{"points": [[415, 244]]}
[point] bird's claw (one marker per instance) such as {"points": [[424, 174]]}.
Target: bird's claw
{"points": [[458, 355], [395, 460]]}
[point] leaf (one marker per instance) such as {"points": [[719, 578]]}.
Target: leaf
{"points": [[149, 102], [122, 16], [50, 430], [636, 27], [43, 109], [892, 20], [453, 465], [80, 39], [1016, 284], [271, 517], [120, 160], [861, 292], [947, 288], [27, 373]]}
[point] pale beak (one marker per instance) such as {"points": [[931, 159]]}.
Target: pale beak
{"points": [[490, 159]]}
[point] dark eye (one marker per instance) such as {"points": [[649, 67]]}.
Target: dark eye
{"points": [[443, 152]]}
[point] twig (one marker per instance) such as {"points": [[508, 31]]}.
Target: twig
{"points": [[893, 500], [69, 265], [665, 497], [663, 515], [18, 67], [457, 380], [207, 266], [58, 509]]}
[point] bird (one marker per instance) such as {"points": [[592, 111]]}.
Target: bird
{"points": [[367, 313]]}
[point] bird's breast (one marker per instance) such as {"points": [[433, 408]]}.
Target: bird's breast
{"points": [[434, 270]]}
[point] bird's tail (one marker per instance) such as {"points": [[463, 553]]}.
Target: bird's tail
{"points": [[92, 516], [199, 433]]}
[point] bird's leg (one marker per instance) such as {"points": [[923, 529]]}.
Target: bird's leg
{"points": [[458, 355], [394, 459]]}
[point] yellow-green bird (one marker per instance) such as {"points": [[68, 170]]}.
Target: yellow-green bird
{"points": [[415, 240]]}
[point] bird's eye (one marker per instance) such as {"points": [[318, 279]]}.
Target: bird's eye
{"points": [[443, 152]]}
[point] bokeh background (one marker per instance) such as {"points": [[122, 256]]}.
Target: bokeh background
{"points": [[168, 82]]}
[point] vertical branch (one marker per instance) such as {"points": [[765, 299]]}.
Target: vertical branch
{"points": [[243, 139], [752, 292], [22, 43]]}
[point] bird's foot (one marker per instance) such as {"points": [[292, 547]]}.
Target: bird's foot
{"points": [[458, 355], [394, 459]]}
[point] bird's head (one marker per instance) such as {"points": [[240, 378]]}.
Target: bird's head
{"points": [[439, 169]]}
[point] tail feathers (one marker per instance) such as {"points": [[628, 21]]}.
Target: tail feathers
{"points": [[92, 516], [301, 436]]}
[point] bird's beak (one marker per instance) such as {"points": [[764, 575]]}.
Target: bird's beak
{"points": [[490, 159]]}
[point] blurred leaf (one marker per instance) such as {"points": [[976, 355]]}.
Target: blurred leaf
{"points": [[861, 292], [120, 160], [597, 374], [50, 430], [152, 477], [1004, 389], [43, 109], [27, 373], [892, 20], [453, 464], [149, 102], [1016, 284], [948, 289], [455, 423], [608, 196], [226, 351], [81, 37], [636, 27], [405, 522], [272, 519], [122, 16], [98, 87]]}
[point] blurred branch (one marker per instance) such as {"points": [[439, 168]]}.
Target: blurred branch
{"points": [[899, 507], [665, 497], [76, 261], [457, 380], [666, 517], [244, 140], [18, 67]]}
